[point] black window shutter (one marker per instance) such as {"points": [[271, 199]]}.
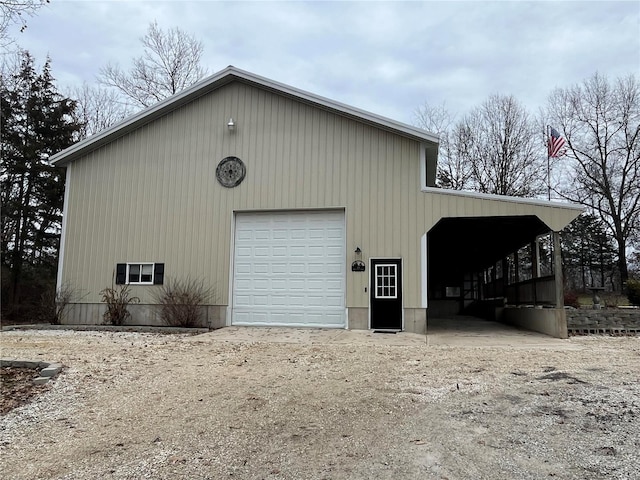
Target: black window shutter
{"points": [[121, 273], [158, 273]]}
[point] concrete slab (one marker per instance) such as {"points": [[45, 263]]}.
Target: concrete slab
{"points": [[464, 332], [477, 332], [308, 336]]}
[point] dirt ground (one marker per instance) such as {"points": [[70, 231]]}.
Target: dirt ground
{"points": [[134, 405], [17, 387]]}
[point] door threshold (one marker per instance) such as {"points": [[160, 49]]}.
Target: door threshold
{"points": [[386, 330]]}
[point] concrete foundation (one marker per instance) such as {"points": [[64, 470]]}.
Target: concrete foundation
{"points": [[358, 318], [213, 316], [415, 320], [551, 321]]}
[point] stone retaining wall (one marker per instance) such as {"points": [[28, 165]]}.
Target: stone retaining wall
{"points": [[48, 370], [609, 319]]}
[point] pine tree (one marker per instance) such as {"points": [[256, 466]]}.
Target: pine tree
{"points": [[36, 123], [589, 255]]}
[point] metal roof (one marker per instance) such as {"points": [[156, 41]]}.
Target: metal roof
{"points": [[217, 80], [504, 198]]}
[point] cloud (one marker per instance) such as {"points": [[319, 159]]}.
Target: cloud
{"points": [[387, 57]]}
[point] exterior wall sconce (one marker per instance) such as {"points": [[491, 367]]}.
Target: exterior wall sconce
{"points": [[358, 265], [231, 125]]}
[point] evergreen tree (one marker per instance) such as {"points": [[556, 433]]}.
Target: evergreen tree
{"points": [[589, 254], [36, 123]]}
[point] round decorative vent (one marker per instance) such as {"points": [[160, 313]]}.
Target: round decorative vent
{"points": [[230, 172]]}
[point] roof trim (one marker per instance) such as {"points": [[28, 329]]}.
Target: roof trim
{"points": [[504, 198], [216, 81]]}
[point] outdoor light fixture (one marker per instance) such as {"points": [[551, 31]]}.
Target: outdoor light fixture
{"points": [[358, 265], [231, 125]]}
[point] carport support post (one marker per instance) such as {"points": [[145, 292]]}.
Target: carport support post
{"points": [[535, 269], [535, 258], [516, 276], [557, 270], [505, 276]]}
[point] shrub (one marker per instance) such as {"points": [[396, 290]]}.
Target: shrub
{"points": [[633, 291], [613, 300], [180, 302], [118, 300], [571, 299], [54, 303]]}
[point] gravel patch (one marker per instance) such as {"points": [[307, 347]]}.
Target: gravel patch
{"points": [[133, 405]]}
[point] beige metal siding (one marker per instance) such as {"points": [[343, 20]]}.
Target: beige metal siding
{"points": [[158, 198], [152, 195]]}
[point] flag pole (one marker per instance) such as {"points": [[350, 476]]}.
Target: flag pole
{"points": [[548, 165]]}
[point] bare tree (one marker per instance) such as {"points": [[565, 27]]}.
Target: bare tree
{"points": [[498, 140], [169, 64], [10, 63], [16, 12], [493, 149], [97, 109], [600, 121], [453, 171]]}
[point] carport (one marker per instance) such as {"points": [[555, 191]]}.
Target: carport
{"points": [[499, 268]]}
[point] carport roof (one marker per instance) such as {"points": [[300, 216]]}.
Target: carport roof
{"points": [[556, 215]]}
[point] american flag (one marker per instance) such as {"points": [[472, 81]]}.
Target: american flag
{"points": [[555, 143]]}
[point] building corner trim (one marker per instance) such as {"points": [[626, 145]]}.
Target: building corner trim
{"points": [[63, 230]]}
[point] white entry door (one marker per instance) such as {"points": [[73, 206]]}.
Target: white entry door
{"points": [[289, 269]]}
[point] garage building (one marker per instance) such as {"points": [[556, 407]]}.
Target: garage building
{"points": [[296, 211]]}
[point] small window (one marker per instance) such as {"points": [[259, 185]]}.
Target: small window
{"points": [[499, 270], [452, 292], [140, 273]]}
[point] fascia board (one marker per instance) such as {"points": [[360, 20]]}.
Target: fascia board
{"points": [[216, 81], [504, 198]]}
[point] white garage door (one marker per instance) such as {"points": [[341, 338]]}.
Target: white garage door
{"points": [[289, 269]]}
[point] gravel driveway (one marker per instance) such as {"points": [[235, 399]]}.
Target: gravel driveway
{"points": [[134, 405]]}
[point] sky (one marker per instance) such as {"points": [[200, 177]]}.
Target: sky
{"points": [[388, 58]]}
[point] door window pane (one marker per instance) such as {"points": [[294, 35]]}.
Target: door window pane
{"points": [[386, 281]]}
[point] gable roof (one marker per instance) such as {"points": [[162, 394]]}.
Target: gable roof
{"points": [[217, 80]]}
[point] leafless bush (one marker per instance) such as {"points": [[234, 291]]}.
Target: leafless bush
{"points": [[180, 302], [54, 303], [614, 300], [118, 300]]}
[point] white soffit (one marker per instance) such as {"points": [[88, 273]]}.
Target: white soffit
{"points": [[569, 210]]}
